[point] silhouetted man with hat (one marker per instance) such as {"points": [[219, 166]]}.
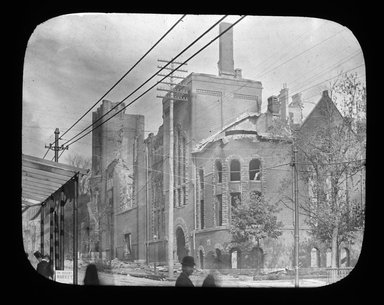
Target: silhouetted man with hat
{"points": [[44, 267], [188, 265]]}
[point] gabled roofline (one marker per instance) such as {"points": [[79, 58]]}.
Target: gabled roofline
{"points": [[326, 97]]}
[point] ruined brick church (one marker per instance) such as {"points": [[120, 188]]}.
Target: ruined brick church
{"points": [[223, 149]]}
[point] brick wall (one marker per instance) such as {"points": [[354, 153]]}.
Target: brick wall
{"points": [[278, 253], [121, 138]]}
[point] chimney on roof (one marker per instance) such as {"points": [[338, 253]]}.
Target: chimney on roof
{"points": [[283, 100], [296, 110], [238, 73], [226, 62], [273, 105], [277, 105]]}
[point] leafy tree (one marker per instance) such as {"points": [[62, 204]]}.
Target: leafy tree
{"points": [[253, 219], [349, 95], [331, 160]]}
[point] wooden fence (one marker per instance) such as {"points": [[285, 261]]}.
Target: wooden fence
{"points": [[336, 274]]}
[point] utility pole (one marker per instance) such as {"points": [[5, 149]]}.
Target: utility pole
{"points": [[171, 199], [75, 230], [175, 92], [57, 218], [296, 229], [56, 148]]}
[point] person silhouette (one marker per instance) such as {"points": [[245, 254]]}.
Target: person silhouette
{"points": [[91, 276], [188, 265]]}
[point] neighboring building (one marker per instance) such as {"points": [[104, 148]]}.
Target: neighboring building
{"points": [[351, 188], [117, 184]]}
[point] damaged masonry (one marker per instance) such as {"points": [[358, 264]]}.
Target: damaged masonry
{"points": [[146, 202]]}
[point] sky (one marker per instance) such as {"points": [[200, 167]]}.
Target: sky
{"points": [[72, 60]]}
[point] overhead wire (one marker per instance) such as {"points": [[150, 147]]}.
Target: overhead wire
{"points": [[328, 69], [46, 153], [295, 55], [156, 73], [295, 42], [301, 53], [315, 85], [125, 74]]}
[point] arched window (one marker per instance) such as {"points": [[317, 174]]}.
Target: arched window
{"points": [[219, 170], [235, 258], [218, 260], [315, 258], [201, 257], [235, 170], [254, 169], [344, 257], [256, 259], [328, 262]]}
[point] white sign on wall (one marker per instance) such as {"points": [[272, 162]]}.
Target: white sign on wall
{"points": [[64, 276], [234, 259]]}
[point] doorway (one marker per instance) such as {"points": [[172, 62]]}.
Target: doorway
{"points": [[257, 258], [181, 251], [201, 258]]}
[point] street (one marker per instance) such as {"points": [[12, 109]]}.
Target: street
{"points": [[225, 281]]}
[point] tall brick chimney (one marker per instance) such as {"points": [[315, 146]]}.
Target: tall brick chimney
{"points": [[283, 99], [226, 62], [273, 105], [295, 109]]}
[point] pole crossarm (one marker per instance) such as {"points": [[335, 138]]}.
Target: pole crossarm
{"points": [[174, 76], [175, 62]]}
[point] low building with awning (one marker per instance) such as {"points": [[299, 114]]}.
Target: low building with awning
{"points": [[52, 189]]}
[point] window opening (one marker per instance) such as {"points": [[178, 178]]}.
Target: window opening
{"points": [[235, 170]]}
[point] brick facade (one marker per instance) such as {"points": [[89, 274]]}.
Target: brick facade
{"points": [[118, 160]]}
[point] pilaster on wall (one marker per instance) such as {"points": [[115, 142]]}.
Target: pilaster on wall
{"points": [[214, 188], [225, 192], [244, 184]]}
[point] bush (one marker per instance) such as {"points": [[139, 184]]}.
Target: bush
{"points": [[274, 276]]}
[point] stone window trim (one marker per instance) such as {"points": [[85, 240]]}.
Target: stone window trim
{"points": [[255, 172], [218, 170], [181, 223], [213, 229], [218, 213], [235, 170], [200, 248], [181, 164], [219, 247], [209, 92], [228, 161]]}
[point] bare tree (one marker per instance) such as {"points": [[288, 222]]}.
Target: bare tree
{"points": [[82, 162]]}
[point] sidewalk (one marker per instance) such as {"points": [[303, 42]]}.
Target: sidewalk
{"points": [[115, 279], [133, 274]]}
